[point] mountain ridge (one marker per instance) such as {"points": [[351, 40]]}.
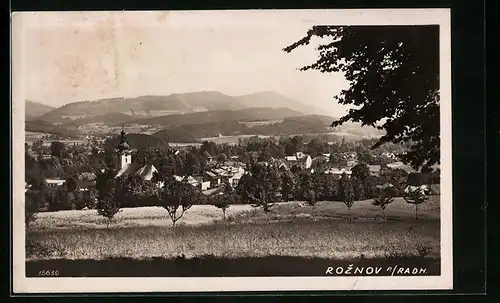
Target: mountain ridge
{"points": [[176, 103], [35, 109]]}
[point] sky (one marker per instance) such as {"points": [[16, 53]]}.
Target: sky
{"points": [[72, 57]]}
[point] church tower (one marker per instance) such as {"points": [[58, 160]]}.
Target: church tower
{"points": [[124, 156]]}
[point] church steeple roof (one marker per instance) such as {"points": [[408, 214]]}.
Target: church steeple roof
{"points": [[123, 142]]}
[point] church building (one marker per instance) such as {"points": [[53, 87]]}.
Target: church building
{"points": [[125, 165]]}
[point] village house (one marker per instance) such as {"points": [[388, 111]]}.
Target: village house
{"points": [[351, 163], [322, 158], [225, 174], [338, 172], [299, 160], [85, 185], [202, 184], [197, 182], [400, 165], [300, 155], [374, 170], [209, 157], [45, 157], [424, 190], [54, 182], [389, 155], [212, 178]]}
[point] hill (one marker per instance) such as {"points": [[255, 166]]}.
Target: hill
{"points": [[109, 119], [309, 124], [275, 100], [146, 105], [143, 107], [40, 126], [190, 132], [296, 125], [288, 126], [137, 141], [248, 114], [35, 109]]}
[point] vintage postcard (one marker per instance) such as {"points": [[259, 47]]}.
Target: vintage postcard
{"points": [[266, 150]]}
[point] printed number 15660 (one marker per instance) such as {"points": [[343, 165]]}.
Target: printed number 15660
{"points": [[48, 273]]}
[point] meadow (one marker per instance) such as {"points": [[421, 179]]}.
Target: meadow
{"points": [[292, 240]]}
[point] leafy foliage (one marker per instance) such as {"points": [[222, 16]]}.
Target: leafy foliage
{"points": [[57, 149], [287, 185], [346, 191], [415, 197], [223, 198], [310, 196], [107, 207], [59, 200], [262, 187], [107, 204], [393, 73], [385, 197], [177, 195], [360, 171]]}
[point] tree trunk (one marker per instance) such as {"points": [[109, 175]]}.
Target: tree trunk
{"points": [[383, 212], [224, 214], [416, 211]]}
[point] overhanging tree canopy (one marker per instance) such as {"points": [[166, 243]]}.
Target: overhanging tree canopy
{"points": [[393, 72]]}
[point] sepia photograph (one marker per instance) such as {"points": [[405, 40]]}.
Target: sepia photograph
{"points": [[252, 150]]}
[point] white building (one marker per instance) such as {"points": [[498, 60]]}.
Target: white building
{"points": [[125, 165], [299, 160]]}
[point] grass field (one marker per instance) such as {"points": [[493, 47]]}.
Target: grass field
{"points": [[290, 233]]}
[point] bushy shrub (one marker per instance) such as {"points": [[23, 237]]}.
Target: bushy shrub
{"points": [[60, 200]]}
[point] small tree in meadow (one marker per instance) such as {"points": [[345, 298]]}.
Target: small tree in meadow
{"points": [[262, 187], [107, 207], [347, 193], [223, 199], [177, 195], [107, 204], [416, 197], [385, 197], [310, 197]]}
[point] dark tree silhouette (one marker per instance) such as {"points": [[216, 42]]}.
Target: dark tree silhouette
{"points": [[222, 158], [262, 187], [57, 149], [223, 198], [415, 197], [177, 195], [346, 191], [107, 204], [287, 185], [71, 184], [394, 81], [361, 171], [385, 196]]}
